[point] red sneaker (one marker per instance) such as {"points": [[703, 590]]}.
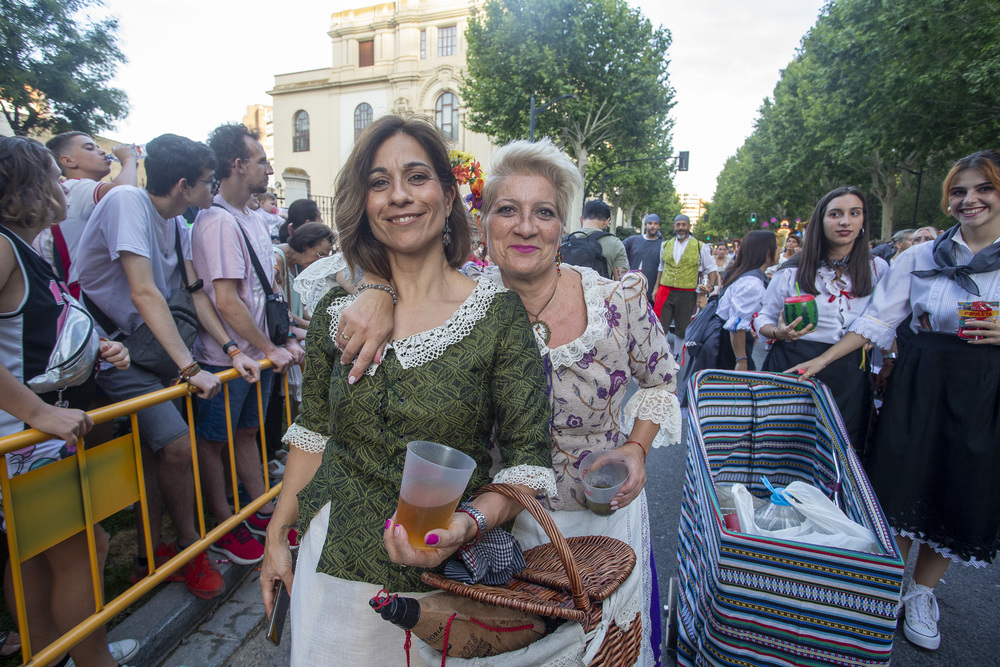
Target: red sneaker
{"points": [[240, 546], [202, 577], [257, 523], [164, 552]]}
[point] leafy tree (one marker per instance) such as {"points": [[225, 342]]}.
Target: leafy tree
{"points": [[879, 92], [636, 182], [605, 52], [55, 65]]}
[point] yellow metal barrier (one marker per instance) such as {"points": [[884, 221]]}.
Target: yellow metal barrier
{"points": [[46, 506]]}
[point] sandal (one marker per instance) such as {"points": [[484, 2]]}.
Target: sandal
{"points": [[10, 643], [276, 469]]}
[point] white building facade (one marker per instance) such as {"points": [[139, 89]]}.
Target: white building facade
{"points": [[403, 57]]}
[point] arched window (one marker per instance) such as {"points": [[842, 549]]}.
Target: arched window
{"points": [[362, 118], [300, 139], [446, 115]]}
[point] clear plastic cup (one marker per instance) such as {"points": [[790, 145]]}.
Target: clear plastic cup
{"points": [[434, 479], [603, 474]]}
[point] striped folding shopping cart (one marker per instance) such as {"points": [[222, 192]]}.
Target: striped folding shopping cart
{"points": [[758, 601]]}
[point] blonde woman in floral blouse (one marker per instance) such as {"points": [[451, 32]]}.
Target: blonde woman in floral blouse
{"points": [[594, 336]]}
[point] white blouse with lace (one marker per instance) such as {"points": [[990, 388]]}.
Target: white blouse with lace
{"points": [[740, 302], [836, 305], [934, 300]]}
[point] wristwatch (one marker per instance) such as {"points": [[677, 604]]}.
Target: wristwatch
{"points": [[891, 356], [481, 528], [231, 343]]}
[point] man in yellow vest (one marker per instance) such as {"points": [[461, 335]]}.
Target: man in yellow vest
{"points": [[680, 262]]}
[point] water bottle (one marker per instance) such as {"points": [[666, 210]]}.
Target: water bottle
{"points": [[779, 513], [139, 150]]}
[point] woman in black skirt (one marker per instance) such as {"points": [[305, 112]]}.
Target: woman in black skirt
{"points": [[836, 267], [937, 446]]}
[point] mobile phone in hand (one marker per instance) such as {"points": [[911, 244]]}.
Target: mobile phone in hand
{"points": [[276, 623]]}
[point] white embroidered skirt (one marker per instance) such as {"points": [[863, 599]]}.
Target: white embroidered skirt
{"points": [[331, 621]]}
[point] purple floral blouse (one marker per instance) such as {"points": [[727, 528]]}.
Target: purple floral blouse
{"points": [[588, 379]]}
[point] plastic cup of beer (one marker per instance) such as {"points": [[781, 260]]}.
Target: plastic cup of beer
{"points": [[804, 306], [434, 479], [603, 475]]}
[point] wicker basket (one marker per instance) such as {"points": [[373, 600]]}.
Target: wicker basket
{"points": [[567, 578]]}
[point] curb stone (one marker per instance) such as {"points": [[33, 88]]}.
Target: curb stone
{"points": [[172, 614]]}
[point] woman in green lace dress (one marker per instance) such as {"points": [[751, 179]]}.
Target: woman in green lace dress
{"points": [[462, 360]]}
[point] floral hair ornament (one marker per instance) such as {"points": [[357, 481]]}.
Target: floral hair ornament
{"points": [[469, 172]]}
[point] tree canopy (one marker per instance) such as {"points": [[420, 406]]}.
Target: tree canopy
{"points": [[879, 93], [55, 64], [603, 51]]}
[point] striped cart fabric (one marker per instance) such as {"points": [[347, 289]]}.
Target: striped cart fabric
{"points": [[751, 600]]}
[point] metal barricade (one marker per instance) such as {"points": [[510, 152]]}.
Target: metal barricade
{"points": [[45, 506]]}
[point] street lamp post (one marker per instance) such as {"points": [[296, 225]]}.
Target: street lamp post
{"points": [[916, 199], [534, 112], [681, 157]]}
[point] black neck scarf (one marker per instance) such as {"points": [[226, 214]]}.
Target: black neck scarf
{"points": [[985, 261]]}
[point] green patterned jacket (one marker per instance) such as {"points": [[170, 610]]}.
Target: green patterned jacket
{"points": [[451, 385]]}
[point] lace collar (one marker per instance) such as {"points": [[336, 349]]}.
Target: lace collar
{"points": [[318, 278], [597, 319], [426, 346]]}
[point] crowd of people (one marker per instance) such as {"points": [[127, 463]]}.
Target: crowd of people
{"points": [[517, 359], [169, 301], [924, 307]]}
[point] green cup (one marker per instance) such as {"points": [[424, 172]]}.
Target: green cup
{"points": [[803, 306]]}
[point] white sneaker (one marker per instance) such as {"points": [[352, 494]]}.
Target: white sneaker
{"points": [[120, 651], [922, 614]]}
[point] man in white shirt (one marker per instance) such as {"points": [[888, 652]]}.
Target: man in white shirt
{"points": [[680, 263], [129, 268], [83, 164]]}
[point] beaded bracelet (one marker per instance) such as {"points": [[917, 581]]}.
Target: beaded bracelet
{"points": [[385, 288], [636, 442], [189, 371]]}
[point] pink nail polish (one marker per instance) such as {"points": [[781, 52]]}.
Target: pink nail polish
{"points": [[431, 540], [350, 380], [388, 523], [395, 531]]}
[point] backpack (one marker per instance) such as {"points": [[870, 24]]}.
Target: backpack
{"points": [[705, 333], [582, 249]]}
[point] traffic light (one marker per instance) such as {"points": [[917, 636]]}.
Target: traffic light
{"points": [[683, 160], [753, 218]]}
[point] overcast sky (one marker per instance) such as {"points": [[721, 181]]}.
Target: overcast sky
{"points": [[200, 63]]}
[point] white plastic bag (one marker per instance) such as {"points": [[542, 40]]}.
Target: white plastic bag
{"points": [[825, 524]]}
